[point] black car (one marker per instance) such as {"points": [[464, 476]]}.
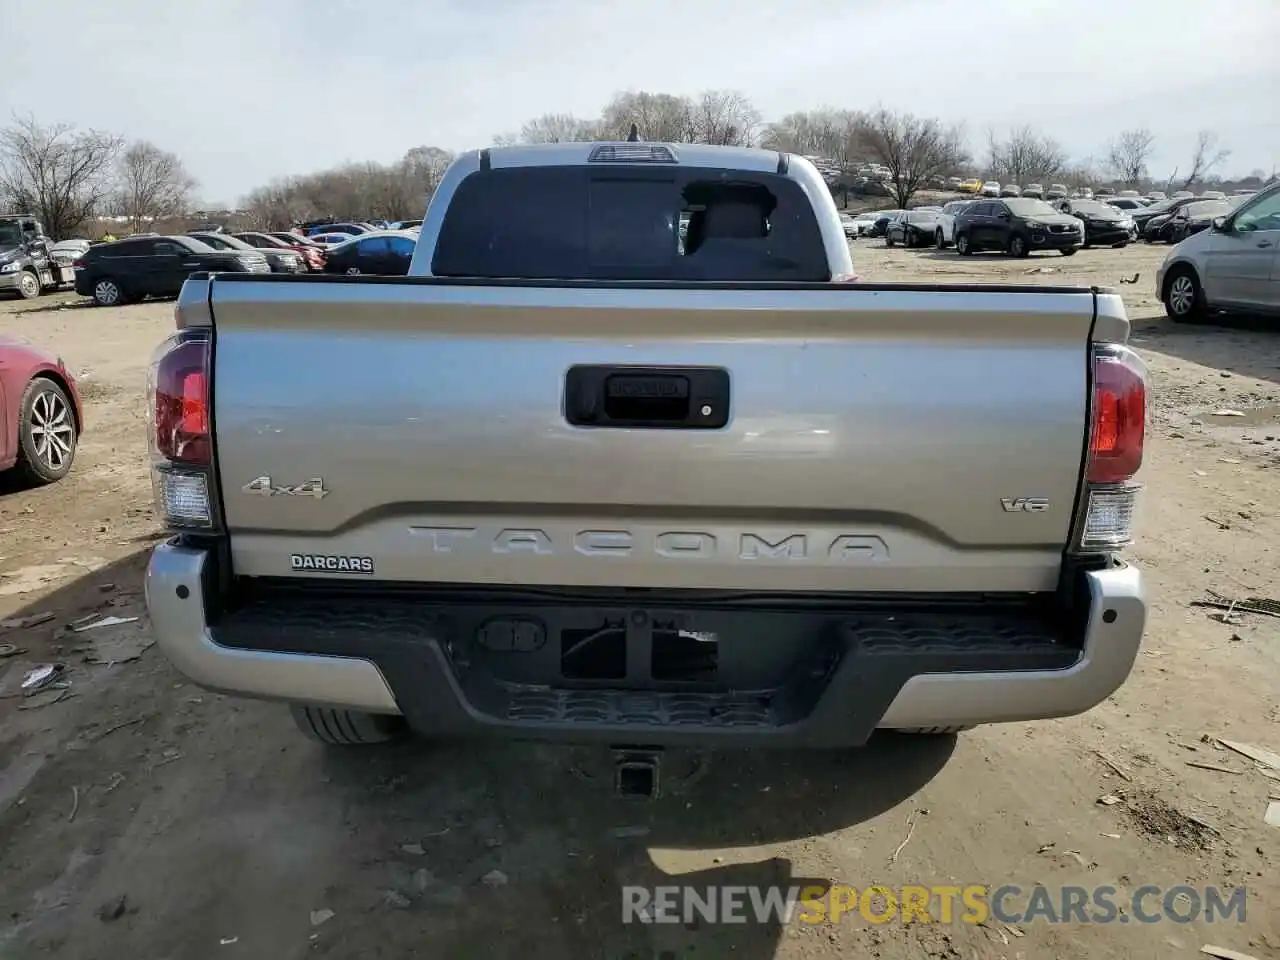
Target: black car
{"points": [[881, 226], [1103, 224], [1017, 225], [387, 254], [915, 228], [125, 271], [280, 261], [1192, 218], [1162, 208]]}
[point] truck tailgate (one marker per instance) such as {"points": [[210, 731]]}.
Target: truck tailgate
{"points": [[877, 439]]}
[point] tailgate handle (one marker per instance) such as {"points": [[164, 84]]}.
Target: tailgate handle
{"points": [[653, 398]]}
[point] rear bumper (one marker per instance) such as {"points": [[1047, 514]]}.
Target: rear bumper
{"points": [[370, 660]]}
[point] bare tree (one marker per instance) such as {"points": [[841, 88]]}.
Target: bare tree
{"points": [[558, 128], [724, 117], [277, 206], [1127, 155], [425, 167], [153, 183], [827, 133], [1082, 173], [352, 192], [61, 174], [1207, 156], [661, 117], [915, 149], [1025, 156]]}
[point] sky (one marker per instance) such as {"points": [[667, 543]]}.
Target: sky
{"points": [[245, 91]]}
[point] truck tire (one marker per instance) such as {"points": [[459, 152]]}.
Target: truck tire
{"points": [[1018, 246], [47, 433], [29, 285], [346, 728], [962, 244]]}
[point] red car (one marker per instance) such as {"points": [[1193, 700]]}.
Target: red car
{"points": [[40, 413], [311, 253]]}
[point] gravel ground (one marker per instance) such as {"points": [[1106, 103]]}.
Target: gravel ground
{"points": [[143, 817]]}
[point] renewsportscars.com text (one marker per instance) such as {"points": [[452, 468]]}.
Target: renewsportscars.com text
{"points": [[945, 903]]}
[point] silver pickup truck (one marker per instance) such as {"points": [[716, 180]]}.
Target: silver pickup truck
{"points": [[578, 479]]}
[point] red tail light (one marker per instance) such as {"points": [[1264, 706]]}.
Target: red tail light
{"points": [[1119, 414], [78, 263], [181, 397]]}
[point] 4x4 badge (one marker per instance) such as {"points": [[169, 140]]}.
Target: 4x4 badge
{"points": [[263, 487]]}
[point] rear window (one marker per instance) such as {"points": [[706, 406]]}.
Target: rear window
{"points": [[126, 248], [625, 223]]}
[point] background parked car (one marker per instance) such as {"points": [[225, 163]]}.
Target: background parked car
{"points": [[125, 271], [944, 233], [1234, 265], [1010, 190], [914, 228], [1056, 191], [865, 221], [1019, 226], [1033, 190], [330, 239], [1103, 223], [881, 224], [386, 253], [1159, 229], [312, 254], [67, 252], [280, 261], [991, 189], [351, 228], [870, 187], [40, 414], [1141, 218], [1195, 217], [1126, 203]]}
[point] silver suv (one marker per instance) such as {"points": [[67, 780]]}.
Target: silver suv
{"points": [[1234, 265]]}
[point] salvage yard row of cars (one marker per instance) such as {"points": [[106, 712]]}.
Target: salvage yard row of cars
{"points": [[1022, 224], [125, 271]]}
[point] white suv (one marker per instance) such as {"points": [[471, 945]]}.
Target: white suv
{"points": [[945, 233], [1234, 265]]}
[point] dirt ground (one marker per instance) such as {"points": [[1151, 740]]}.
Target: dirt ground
{"points": [[143, 817]]}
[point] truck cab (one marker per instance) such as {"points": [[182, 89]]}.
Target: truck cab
{"points": [[25, 265]]}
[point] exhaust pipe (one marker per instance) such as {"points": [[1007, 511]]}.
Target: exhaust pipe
{"points": [[635, 773]]}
